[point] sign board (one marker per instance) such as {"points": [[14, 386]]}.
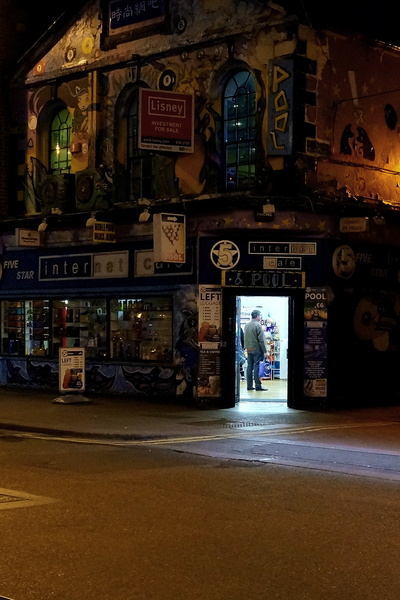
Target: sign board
{"points": [[280, 107], [123, 15], [72, 369], [166, 121], [104, 232], [85, 265], [315, 342], [27, 237], [266, 214], [146, 267], [169, 233], [210, 316], [303, 248], [264, 279], [282, 262], [353, 224]]}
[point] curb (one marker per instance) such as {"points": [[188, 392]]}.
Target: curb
{"points": [[77, 434]]}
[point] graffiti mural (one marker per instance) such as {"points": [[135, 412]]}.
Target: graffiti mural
{"points": [[357, 144], [186, 346]]}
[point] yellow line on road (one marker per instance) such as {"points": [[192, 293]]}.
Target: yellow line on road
{"points": [[240, 433], [232, 433]]}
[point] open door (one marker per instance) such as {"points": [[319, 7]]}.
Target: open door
{"points": [[273, 370], [285, 379], [239, 348]]}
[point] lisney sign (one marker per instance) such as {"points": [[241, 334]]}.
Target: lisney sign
{"points": [[166, 121]]}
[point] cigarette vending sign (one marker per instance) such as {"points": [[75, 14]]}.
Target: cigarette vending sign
{"points": [[169, 236], [166, 121]]}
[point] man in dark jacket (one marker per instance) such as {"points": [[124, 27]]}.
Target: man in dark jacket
{"points": [[254, 342]]}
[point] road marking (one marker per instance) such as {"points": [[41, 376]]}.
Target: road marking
{"points": [[14, 499], [231, 434]]}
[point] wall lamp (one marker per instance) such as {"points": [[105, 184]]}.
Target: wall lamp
{"points": [[91, 220], [42, 226], [145, 214], [268, 209]]}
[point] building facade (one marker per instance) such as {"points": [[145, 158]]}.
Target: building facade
{"points": [[180, 155]]}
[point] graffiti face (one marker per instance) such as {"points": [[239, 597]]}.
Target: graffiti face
{"points": [[365, 146], [390, 117], [360, 144], [344, 262], [83, 101]]}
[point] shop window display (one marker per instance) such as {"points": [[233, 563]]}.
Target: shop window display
{"points": [[141, 328], [129, 329], [25, 328], [80, 324]]}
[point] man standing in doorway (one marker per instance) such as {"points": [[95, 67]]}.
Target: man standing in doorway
{"points": [[254, 342]]}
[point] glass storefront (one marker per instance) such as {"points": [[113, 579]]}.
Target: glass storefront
{"points": [[141, 328], [25, 327], [80, 324], [129, 329]]}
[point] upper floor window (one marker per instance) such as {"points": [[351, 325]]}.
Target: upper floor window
{"points": [[60, 139], [239, 122], [140, 162], [139, 173]]}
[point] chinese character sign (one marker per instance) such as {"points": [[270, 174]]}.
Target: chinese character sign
{"points": [[125, 14]]}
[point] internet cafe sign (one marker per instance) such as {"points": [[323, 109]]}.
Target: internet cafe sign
{"points": [[166, 121]]}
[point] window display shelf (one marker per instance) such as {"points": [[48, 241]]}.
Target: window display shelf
{"points": [[81, 324], [122, 329], [141, 329]]}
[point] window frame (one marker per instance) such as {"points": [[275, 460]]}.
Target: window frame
{"points": [[242, 122], [131, 161], [60, 135], [46, 116]]}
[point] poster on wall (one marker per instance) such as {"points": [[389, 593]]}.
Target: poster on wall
{"points": [[315, 342], [72, 369], [209, 379], [209, 336], [209, 316]]}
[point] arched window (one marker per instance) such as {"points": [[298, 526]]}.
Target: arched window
{"points": [[239, 121], [139, 162], [139, 173], [60, 139]]}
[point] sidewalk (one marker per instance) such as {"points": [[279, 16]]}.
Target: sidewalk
{"points": [[131, 419], [120, 418]]}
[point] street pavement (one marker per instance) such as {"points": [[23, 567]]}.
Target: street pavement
{"points": [[363, 441]]}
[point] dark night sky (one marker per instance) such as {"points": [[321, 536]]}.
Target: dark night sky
{"points": [[377, 20]]}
